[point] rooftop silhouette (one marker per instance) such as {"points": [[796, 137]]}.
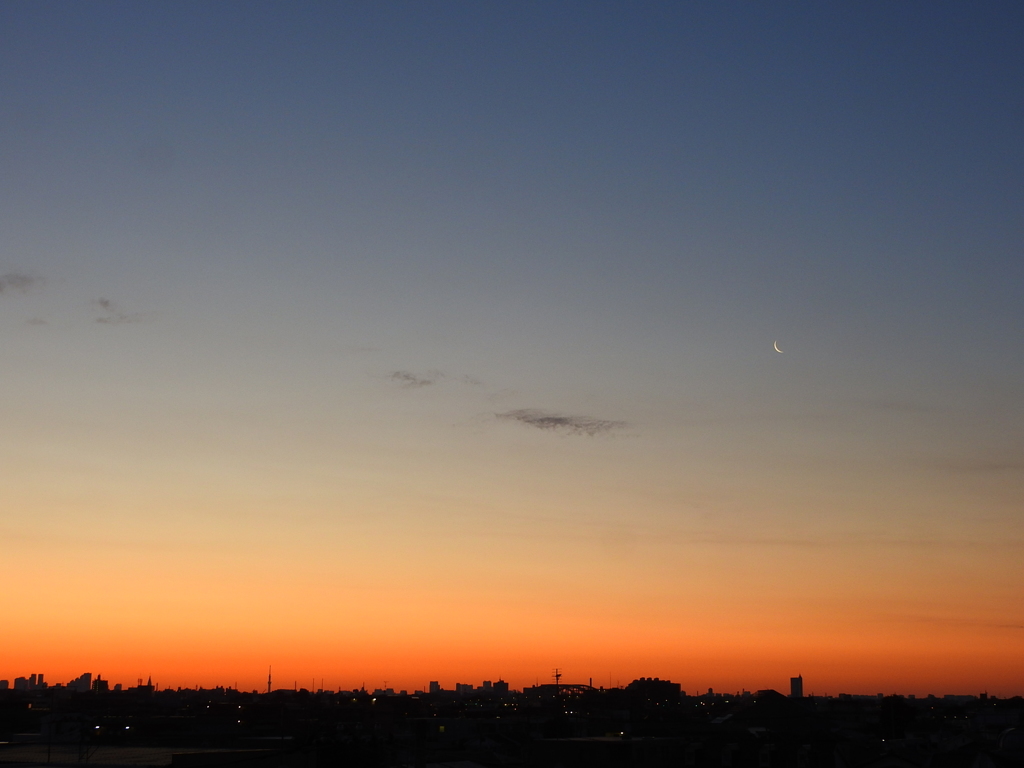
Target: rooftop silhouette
{"points": [[648, 722]]}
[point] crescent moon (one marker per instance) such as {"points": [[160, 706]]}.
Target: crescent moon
{"points": [[776, 345]]}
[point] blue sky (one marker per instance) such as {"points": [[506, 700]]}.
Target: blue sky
{"points": [[458, 272]]}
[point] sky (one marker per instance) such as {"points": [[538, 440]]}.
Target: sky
{"points": [[397, 342]]}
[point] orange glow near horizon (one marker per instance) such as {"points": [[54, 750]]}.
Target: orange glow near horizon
{"points": [[888, 667], [214, 622]]}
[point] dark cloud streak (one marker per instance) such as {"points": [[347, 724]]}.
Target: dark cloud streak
{"points": [[18, 282], [566, 424], [409, 380], [114, 315]]}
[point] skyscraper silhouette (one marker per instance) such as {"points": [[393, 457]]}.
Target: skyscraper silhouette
{"points": [[796, 687]]}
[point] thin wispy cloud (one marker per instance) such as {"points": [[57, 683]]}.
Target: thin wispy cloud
{"points": [[19, 282], [559, 422], [983, 465], [112, 314], [895, 406], [961, 622], [409, 380], [846, 541]]}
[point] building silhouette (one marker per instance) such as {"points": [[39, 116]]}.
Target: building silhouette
{"points": [[796, 687]]}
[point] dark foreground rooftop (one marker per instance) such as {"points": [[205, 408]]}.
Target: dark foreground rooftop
{"points": [[547, 726]]}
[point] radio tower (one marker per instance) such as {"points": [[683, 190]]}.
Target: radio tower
{"points": [[558, 676], [268, 678]]}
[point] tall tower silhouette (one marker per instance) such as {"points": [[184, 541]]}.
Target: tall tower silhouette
{"points": [[796, 687], [268, 678]]}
